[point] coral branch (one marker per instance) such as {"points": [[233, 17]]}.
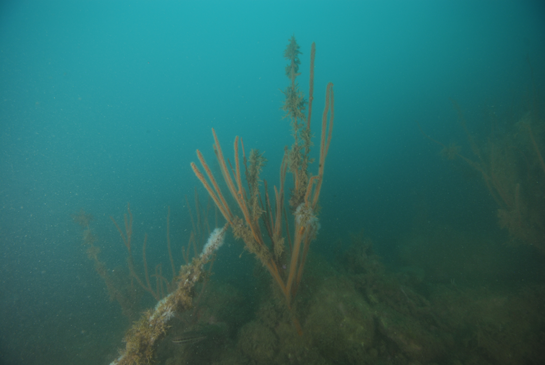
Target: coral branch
{"points": [[304, 197], [143, 337], [325, 140], [311, 86]]}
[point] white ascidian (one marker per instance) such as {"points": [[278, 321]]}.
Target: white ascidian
{"points": [[304, 217], [216, 239]]}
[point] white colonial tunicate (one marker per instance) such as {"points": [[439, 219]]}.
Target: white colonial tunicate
{"points": [[304, 217], [216, 239]]}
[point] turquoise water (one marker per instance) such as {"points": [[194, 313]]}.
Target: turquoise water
{"points": [[105, 103]]}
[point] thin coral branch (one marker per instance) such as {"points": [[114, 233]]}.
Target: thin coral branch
{"points": [[148, 286], [536, 148], [327, 129], [224, 208], [168, 245], [311, 86]]}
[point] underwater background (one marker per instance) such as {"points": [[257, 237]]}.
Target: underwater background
{"points": [[427, 222]]}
